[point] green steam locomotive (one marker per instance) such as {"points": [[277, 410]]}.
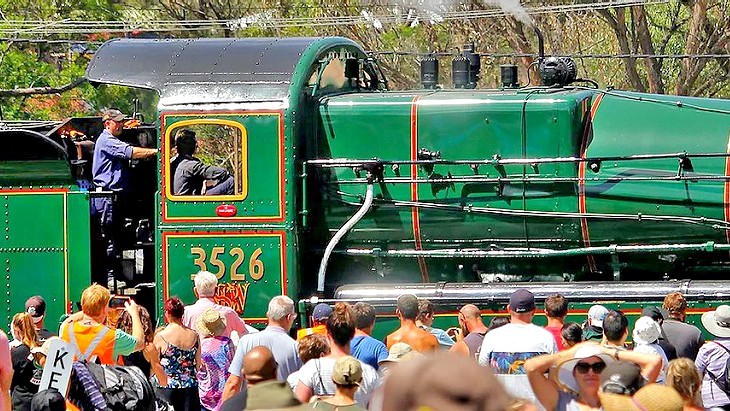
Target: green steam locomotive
{"points": [[345, 190]]}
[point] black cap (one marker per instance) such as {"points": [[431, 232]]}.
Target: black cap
{"points": [[47, 400], [621, 377], [522, 301], [36, 307], [657, 314]]}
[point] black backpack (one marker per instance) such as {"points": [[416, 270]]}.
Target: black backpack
{"points": [[723, 383], [107, 387]]}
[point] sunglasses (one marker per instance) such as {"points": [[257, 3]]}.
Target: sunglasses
{"points": [[583, 367]]}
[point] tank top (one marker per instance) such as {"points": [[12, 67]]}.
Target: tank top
{"points": [[179, 365], [474, 342]]}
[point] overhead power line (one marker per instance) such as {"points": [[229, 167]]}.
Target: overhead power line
{"points": [[267, 19]]}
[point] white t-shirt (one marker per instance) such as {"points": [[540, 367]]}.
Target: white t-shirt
{"points": [[656, 350], [506, 349], [317, 375]]}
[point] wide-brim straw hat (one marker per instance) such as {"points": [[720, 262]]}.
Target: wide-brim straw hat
{"points": [[210, 324], [717, 322], [565, 369], [652, 397]]}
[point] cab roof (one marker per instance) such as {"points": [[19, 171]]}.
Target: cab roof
{"points": [[208, 70]]}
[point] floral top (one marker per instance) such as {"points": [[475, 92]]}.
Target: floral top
{"points": [[179, 365], [216, 354]]}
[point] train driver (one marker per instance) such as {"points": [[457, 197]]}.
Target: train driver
{"points": [[190, 174], [110, 172]]}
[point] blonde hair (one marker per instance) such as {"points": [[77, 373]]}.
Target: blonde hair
{"points": [[94, 300], [683, 376], [26, 329]]}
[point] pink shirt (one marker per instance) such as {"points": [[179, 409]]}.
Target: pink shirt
{"points": [[6, 365], [233, 321], [556, 332]]}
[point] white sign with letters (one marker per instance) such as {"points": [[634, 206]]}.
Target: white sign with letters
{"points": [[57, 371]]}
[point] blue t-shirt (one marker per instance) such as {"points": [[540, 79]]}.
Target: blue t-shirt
{"points": [[368, 350], [110, 156]]}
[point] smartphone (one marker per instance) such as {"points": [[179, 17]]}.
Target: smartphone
{"points": [[118, 301]]}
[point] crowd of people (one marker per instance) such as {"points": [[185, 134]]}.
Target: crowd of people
{"points": [[206, 358]]}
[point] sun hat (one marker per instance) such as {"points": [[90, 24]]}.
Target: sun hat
{"points": [[441, 381], [565, 369], [347, 371], [646, 331], [596, 314], [36, 307], [400, 352], [717, 322], [652, 397], [210, 324], [622, 377], [522, 301], [321, 312]]}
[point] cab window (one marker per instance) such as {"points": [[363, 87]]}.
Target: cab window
{"points": [[206, 160]]}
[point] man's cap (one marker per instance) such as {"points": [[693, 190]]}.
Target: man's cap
{"points": [[48, 400], [621, 377], [596, 314], [399, 352], [210, 324], [36, 307], [442, 381], [347, 371], [321, 312], [652, 397], [717, 322], [522, 301], [43, 349], [646, 331], [658, 314], [112, 114]]}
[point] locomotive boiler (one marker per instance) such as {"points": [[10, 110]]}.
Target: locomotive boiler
{"points": [[344, 189]]}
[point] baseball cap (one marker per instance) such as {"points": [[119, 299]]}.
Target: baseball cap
{"points": [[621, 377], [596, 314], [646, 331], [657, 313], [36, 307], [47, 400], [112, 114], [522, 301], [347, 371], [652, 397], [321, 311]]}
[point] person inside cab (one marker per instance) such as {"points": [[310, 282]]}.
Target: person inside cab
{"points": [[190, 175]]}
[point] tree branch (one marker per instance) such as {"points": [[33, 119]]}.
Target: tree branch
{"points": [[42, 90]]}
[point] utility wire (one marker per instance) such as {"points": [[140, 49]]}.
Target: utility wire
{"points": [[267, 20]]}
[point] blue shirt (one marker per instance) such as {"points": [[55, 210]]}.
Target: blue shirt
{"points": [[368, 350], [275, 339], [445, 342], [110, 157]]}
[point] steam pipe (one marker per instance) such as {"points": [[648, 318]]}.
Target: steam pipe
{"points": [[709, 246], [540, 44], [341, 233]]}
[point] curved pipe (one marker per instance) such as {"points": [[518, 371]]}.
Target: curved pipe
{"points": [[341, 233]]}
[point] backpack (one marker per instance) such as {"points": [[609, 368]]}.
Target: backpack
{"points": [[722, 383], [107, 387]]}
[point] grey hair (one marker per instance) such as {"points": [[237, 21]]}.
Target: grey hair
{"points": [[279, 307], [205, 283]]}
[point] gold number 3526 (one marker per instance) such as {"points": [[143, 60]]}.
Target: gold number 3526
{"points": [[255, 266]]}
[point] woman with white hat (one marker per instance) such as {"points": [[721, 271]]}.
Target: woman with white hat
{"points": [[216, 354], [646, 333], [712, 358], [579, 371]]}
